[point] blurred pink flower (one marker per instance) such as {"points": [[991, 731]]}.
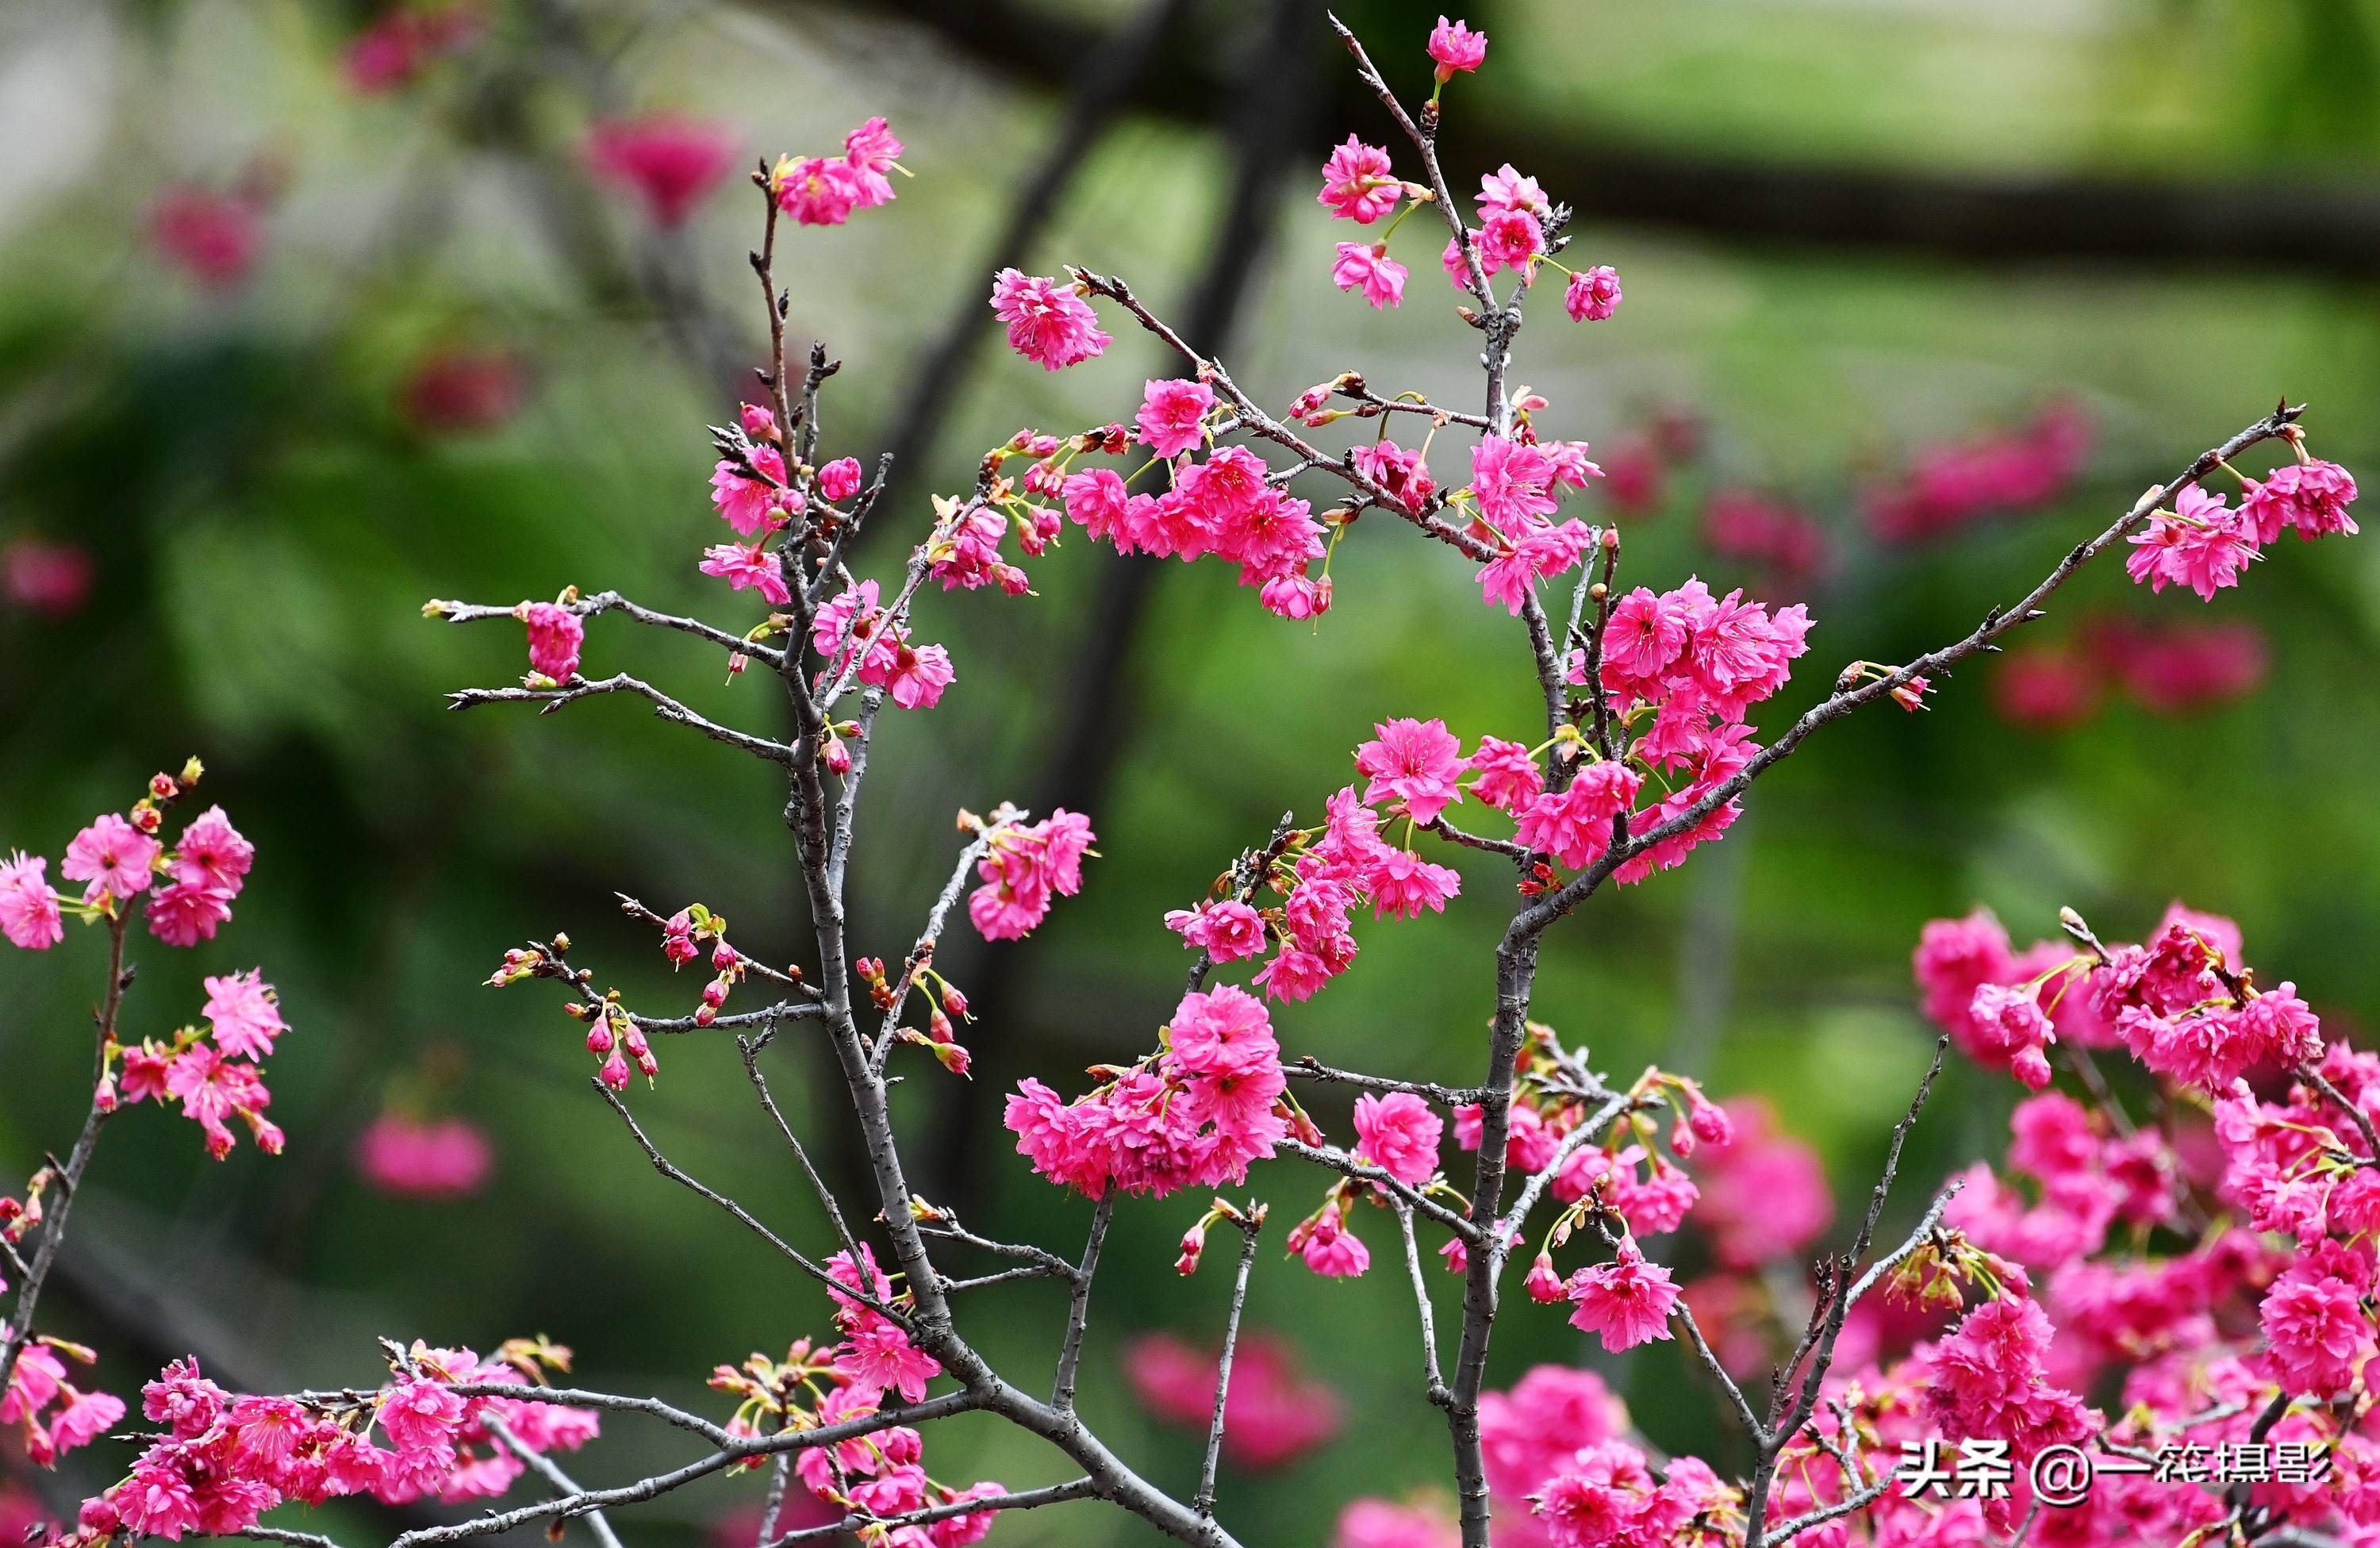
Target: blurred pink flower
{"points": [[1764, 1195], [213, 238], [669, 160], [448, 1159], [1273, 1414], [49, 578], [391, 52], [455, 389]]}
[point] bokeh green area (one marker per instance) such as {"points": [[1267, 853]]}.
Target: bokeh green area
{"points": [[266, 526]]}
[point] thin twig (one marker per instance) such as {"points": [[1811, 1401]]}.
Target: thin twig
{"points": [[1203, 1502]]}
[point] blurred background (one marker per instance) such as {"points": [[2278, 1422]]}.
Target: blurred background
{"points": [[312, 311]]}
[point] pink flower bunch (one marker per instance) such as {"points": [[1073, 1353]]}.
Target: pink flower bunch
{"points": [[825, 190], [1951, 486], [393, 51], [1047, 320], [118, 859], [876, 1356], [2202, 543], [2087, 1179], [1535, 1432], [851, 628], [51, 1415], [2182, 1005], [1343, 866], [1194, 1114], [1226, 506], [2307, 495], [214, 1080], [224, 1459], [400, 1154], [670, 161], [2268, 1293], [881, 1473], [1694, 665], [754, 495], [1025, 869], [1273, 1414]]}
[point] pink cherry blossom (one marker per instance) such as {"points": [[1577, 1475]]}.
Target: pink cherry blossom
{"points": [[2310, 496], [1366, 267], [1398, 1133], [1456, 48], [28, 906], [2203, 546], [1172, 416], [1592, 295], [1048, 321], [1225, 929], [754, 568], [1626, 1302], [555, 634], [113, 857], [212, 852], [1359, 184], [1416, 762], [753, 505], [244, 1013]]}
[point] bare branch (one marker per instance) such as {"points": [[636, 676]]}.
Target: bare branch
{"points": [[664, 708]]}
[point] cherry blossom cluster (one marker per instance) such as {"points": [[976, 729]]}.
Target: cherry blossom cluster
{"points": [[879, 1475], [825, 190], [2204, 544], [50, 1415], [1025, 869], [222, 1459], [2182, 1005], [216, 1071], [1194, 1113], [1322, 876]]}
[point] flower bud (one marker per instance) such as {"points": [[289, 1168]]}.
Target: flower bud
{"points": [[954, 1000], [1543, 1281], [615, 1073], [1709, 1120], [1193, 1242], [599, 1039]]}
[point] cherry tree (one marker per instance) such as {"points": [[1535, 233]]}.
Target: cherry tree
{"points": [[2239, 1307]]}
